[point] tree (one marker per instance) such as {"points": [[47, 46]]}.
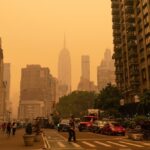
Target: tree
{"points": [[145, 102], [109, 99], [76, 103]]}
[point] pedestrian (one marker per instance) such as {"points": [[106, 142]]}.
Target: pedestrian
{"points": [[4, 127], [71, 131], [14, 127], [8, 128]]}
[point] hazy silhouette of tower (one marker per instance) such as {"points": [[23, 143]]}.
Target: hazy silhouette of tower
{"points": [[106, 71], [85, 67], [64, 71]]}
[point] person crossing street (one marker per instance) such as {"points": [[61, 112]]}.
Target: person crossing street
{"points": [[71, 131]]}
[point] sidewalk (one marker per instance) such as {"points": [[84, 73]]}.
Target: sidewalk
{"points": [[16, 142]]}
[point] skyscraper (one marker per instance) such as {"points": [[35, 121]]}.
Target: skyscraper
{"points": [[131, 33], [85, 69], [2, 86], [64, 71], [6, 80], [106, 71], [85, 84]]}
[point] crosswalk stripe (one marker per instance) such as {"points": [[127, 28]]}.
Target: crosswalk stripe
{"points": [[100, 143], [61, 144], [132, 144], [121, 145], [146, 144], [76, 145], [91, 145]]}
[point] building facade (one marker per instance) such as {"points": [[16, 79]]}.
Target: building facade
{"points": [[106, 71], [37, 92], [131, 38], [64, 71], [85, 84], [6, 80], [2, 86]]}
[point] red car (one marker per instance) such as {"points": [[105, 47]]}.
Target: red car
{"points": [[113, 128], [86, 123]]}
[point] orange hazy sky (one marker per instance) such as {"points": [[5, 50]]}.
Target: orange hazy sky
{"points": [[32, 32]]}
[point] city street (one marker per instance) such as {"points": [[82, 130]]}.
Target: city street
{"points": [[92, 141]]}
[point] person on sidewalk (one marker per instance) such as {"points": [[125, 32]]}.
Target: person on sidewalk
{"points": [[14, 127], [71, 131], [8, 129]]}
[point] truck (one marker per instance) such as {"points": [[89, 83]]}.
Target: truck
{"points": [[94, 112], [87, 121]]}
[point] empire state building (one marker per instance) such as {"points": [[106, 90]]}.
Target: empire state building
{"points": [[64, 71]]}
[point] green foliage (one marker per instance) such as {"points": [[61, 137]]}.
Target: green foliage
{"points": [[76, 103], [140, 119], [145, 97], [109, 99]]}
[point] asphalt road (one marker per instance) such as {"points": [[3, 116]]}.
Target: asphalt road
{"points": [[92, 141]]}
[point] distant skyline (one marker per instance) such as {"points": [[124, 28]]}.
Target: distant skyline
{"points": [[32, 32]]}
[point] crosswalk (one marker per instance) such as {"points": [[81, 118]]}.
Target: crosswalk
{"points": [[122, 144]]}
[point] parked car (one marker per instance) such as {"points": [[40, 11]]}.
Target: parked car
{"points": [[113, 128], [86, 123], [63, 125], [98, 125]]}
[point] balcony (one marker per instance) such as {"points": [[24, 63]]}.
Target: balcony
{"points": [[134, 72], [115, 19], [128, 2], [115, 5], [117, 55], [117, 34], [132, 53], [116, 26], [117, 41], [130, 27], [131, 37], [118, 71], [133, 61], [129, 10], [130, 19], [115, 11], [137, 2], [134, 82], [132, 44], [138, 10]]}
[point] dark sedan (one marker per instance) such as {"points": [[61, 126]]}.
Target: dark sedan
{"points": [[63, 125], [98, 125]]}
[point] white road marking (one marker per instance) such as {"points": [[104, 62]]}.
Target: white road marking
{"points": [[132, 144], [76, 145], [100, 143], [146, 144], [121, 145], [61, 144], [91, 145]]}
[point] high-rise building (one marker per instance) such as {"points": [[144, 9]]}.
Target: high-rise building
{"points": [[6, 80], [131, 33], [85, 84], [37, 92], [2, 87], [106, 71], [85, 67], [64, 71]]}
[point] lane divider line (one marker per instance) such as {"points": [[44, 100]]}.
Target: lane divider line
{"points": [[117, 144], [103, 144], [86, 143], [132, 144]]}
